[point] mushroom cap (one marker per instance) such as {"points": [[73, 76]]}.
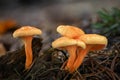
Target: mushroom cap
{"points": [[27, 31], [97, 42], [65, 41], [69, 31]]}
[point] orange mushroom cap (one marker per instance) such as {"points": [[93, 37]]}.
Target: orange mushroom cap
{"points": [[65, 41], [97, 42], [27, 31], [69, 31]]}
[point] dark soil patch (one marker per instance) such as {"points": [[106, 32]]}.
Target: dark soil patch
{"points": [[99, 65]]}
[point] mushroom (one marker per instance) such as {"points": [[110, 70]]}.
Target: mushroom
{"points": [[6, 25], [78, 52], [71, 46], [70, 31], [93, 42], [26, 33]]}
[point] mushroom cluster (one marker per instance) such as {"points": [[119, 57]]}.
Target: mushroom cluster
{"points": [[78, 44], [26, 33]]}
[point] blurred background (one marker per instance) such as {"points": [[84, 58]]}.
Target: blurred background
{"points": [[48, 14]]}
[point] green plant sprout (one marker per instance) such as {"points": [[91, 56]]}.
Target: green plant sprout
{"points": [[109, 23]]}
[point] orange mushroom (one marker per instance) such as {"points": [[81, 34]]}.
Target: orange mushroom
{"points": [[6, 25], [27, 33], [93, 42], [77, 54], [70, 34], [71, 46]]}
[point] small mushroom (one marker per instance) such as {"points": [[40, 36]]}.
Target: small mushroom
{"points": [[71, 46], [93, 42], [6, 25], [70, 31], [26, 33]]}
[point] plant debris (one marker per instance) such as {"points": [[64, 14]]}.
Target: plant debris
{"points": [[13, 62], [102, 65]]}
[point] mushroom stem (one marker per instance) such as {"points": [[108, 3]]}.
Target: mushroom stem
{"points": [[81, 56], [28, 51], [72, 52]]}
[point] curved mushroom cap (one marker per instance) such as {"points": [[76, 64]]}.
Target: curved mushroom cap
{"points": [[97, 42], [27, 31], [65, 41], [69, 31]]}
